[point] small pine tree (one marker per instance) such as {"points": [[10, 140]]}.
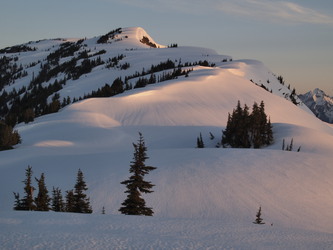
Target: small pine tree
{"points": [[81, 201], [134, 204], [70, 201], [291, 144], [28, 201], [8, 137], [42, 200], [18, 203], [57, 200], [200, 143], [258, 219]]}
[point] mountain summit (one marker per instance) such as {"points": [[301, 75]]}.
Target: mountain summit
{"points": [[320, 104]]}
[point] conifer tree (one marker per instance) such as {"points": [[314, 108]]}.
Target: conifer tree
{"points": [[42, 200], [200, 143], [18, 203], [227, 134], [258, 219], [81, 201], [269, 133], [243, 128], [27, 202], [57, 200], [134, 204], [8, 137], [70, 201]]}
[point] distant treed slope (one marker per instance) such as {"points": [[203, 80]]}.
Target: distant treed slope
{"points": [[41, 77]]}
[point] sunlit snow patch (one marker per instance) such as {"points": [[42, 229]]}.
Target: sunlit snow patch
{"points": [[54, 143]]}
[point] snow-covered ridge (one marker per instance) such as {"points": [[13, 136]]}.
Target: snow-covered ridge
{"points": [[129, 55]]}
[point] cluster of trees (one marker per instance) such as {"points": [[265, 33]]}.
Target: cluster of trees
{"points": [[17, 49], [114, 61], [8, 137], [117, 87], [109, 35], [145, 40], [26, 104], [76, 200], [290, 146], [165, 76], [293, 95], [65, 49], [173, 45], [245, 130], [30, 104], [10, 70]]}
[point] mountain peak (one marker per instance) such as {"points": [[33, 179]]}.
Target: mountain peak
{"points": [[130, 37], [319, 103]]}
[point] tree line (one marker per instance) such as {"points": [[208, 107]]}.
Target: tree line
{"points": [[245, 129], [77, 201]]}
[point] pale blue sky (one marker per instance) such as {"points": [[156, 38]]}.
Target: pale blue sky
{"points": [[293, 38]]}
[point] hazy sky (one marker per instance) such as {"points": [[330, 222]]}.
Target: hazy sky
{"points": [[293, 38]]}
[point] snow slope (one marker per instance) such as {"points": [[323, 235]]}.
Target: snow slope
{"points": [[200, 194], [75, 231]]}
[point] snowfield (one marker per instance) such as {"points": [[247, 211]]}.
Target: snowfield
{"points": [[203, 198], [76, 231]]}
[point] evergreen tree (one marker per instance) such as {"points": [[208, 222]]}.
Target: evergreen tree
{"points": [[57, 200], [269, 133], [70, 201], [134, 204], [81, 201], [8, 137], [290, 148], [211, 136], [117, 86], [18, 203], [200, 143], [27, 202], [244, 126], [258, 219], [42, 200], [228, 133]]}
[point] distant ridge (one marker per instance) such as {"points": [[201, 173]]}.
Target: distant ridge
{"points": [[320, 104]]}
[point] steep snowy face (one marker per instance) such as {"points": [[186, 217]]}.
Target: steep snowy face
{"points": [[319, 103]]}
